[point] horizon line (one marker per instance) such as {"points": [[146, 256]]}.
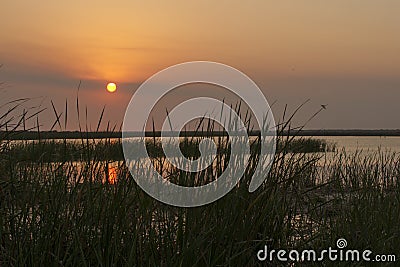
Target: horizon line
{"points": [[35, 135]]}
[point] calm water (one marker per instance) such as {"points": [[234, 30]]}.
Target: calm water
{"points": [[365, 143]]}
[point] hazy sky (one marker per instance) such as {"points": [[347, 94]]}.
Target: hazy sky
{"points": [[341, 53]]}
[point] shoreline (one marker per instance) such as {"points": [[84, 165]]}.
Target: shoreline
{"points": [[35, 135]]}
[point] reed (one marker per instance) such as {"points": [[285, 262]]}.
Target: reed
{"points": [[69, 212]]}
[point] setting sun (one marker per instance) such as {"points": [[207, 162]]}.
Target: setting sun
{"points": [[111, 87]]}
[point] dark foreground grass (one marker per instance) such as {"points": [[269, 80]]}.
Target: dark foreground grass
{"points": [[64, 213], [85, 209]]}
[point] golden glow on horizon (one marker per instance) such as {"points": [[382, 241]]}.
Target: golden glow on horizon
{"points": [[111, 87]]}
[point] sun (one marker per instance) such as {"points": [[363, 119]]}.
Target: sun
{"points": [[111, 87]]}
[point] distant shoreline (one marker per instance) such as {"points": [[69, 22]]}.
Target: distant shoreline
{"points": [[34, 135]]}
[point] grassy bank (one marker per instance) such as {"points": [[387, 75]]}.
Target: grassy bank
{"points": [[69, 204], [111, 149], [47, 219]]}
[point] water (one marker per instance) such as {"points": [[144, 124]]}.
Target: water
{"points": [[365, 143], [108, 171]]}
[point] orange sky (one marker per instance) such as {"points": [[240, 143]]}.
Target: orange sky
{"points": [[290, 46]]}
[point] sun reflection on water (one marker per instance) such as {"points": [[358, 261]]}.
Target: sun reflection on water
{"points": [[112, 175]]}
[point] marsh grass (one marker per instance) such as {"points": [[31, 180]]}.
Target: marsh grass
{"points": [[111, 149], [60, 213]]}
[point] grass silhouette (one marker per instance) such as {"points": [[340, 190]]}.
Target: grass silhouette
{"points": [[58, 208]]}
